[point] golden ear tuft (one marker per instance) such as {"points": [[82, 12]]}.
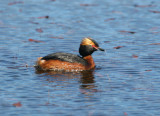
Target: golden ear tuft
{"points": [[87, 41]]}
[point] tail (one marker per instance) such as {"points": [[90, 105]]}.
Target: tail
{"points": [[38, 63]]}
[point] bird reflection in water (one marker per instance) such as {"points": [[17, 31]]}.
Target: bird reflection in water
{"points": [[85, 78]]}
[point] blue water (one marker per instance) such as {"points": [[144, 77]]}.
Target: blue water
{"points": [[126, 80]]}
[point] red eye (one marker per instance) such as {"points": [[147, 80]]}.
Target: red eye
{"points": [[94, 46]]}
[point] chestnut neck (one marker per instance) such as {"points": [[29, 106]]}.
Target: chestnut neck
{"points": [[90, 61]]}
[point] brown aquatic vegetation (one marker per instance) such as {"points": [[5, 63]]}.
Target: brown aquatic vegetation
{"points": [[155, 44], [154, 11], [18, 104], [109, 19], [33, 40], [57, 37], [16, 2], [39, 30], [43, 17], [131, 32], [118, 47], [134, 56]]}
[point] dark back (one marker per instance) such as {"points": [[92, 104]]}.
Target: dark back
{"points": [[67, 57]]}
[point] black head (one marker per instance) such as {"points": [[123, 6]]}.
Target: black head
{"points": [[88, 46]]}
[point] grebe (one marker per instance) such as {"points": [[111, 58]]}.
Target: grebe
{"points": [[70, 62]]}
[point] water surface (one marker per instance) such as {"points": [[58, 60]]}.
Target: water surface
{"points": [[126, 80]]}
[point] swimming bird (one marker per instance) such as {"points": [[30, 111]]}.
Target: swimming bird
{"points": [[70, 62]]}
